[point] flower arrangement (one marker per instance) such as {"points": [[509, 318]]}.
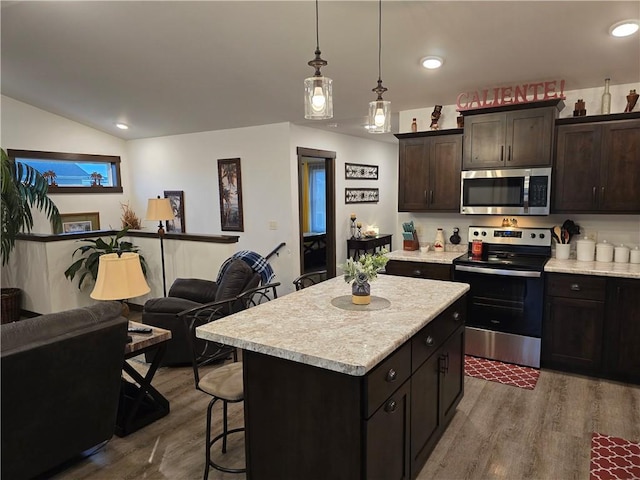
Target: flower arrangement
{"points": [[364, 269]]}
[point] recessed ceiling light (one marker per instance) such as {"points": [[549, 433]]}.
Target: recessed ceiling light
{"points": [[432, 62], [624, 28], [122, 126]]}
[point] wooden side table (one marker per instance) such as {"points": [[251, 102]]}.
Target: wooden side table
{"points": [[363, 245]]}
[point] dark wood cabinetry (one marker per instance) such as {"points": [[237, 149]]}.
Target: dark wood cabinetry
{"points": [[597, 167], [308, 422], [591, 326], [429, 171], [514, 138], [433, 271]]}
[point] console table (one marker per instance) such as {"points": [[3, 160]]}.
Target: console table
{"points": [[140, 403], [363, 245]]}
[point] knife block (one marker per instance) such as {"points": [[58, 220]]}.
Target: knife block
{"points": [[411, 244]]}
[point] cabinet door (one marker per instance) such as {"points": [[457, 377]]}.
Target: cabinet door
{"points": [[529, 138], [622, 347], [445, 165], [452, 376], [484, 141], [387, 433], [576, 176], [620, 167], [434, 271], [572, 334], [413, 172]]}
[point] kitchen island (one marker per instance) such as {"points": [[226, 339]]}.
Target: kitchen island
{"points": [[337, 391]]}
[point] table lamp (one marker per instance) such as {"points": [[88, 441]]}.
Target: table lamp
{"points": [[159, 209], [120, 277]]}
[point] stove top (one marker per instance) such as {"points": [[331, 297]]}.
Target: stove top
{"points": [[505, 260]]}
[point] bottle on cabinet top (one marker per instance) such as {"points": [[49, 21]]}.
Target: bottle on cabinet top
{"points": [[606, 98], [414, 125]]}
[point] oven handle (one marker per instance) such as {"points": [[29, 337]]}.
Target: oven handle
{"points": [[499, 271]]}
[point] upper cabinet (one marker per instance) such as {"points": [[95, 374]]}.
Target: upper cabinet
{"points": [[597, 165], [429, 171], [510, 136]]}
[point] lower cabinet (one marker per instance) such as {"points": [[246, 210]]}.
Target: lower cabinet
{"points": [[433, 271], [592, 326]]}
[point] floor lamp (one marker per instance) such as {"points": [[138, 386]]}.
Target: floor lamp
{"points": [[120, 277], [159, 209]]}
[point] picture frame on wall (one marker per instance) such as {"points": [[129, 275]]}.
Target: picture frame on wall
{"points": [[176, 198], [361, 195], [230, 191], [79, 222], [357, 171]]}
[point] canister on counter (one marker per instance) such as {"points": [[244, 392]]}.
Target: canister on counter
{"points": [[585, 249], [476, 249], [621, 254], [604, 252]]}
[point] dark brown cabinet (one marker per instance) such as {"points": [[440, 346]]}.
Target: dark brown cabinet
{"points": [[504, 139], [433, 271], [597, 167], [591, 326], [429, 168]]}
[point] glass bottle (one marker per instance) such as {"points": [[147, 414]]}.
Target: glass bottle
{"points": [[438, 244], [414, 126], [606, 98]]}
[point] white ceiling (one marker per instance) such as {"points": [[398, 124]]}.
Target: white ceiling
{"points": [[175, 67]]}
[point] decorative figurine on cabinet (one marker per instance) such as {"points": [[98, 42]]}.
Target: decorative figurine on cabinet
{"points": [[632, 98], [435, 116]]}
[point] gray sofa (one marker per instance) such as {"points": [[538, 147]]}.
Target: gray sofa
{"points": [[60, 386]]}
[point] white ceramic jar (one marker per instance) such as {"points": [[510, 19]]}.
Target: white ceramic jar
{"points": [[604, 252], [621, 254], [585, 249], [634, 255]]}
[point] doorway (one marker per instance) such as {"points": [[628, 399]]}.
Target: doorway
{"points": [[317, 210]]}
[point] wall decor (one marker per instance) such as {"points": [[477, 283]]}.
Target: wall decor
{"points": [[176, 198], [230, 187], [512, 94], [361, 195], [356, 171], [79, 222]]}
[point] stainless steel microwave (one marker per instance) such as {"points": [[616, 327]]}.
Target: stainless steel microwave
{"points": [[521, 191]]}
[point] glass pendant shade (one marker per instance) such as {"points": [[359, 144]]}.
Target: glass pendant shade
{"points": [[318, 98], [379, 116]]}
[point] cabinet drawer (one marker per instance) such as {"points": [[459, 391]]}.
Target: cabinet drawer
{"points": [[576, 286], [433, 335], [434, 271], [387, 377]]}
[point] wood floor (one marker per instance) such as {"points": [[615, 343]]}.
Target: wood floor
{"points": [[498, 432]]}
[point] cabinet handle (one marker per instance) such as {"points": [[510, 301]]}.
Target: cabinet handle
{"points": [[593, 196], [509, 154], [601, 196], [425, 196], [392, 376], [429, 341], [501, 153], [430, 196], [391, 406], [442, 366], [417, 273], [456, 316], [575, 287]]}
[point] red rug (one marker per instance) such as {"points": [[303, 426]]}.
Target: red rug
{"points": [[614, 458], [506, 373]]}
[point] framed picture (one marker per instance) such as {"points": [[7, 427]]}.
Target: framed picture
{"points": [[356, 171], [176, 198], [79, 222], [230, 187], [361, 195]]}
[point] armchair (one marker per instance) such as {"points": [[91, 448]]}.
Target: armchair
{"points": [[190, 293]]}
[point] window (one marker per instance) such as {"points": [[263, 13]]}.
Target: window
{"points": [[74, 172], [317, 195]]}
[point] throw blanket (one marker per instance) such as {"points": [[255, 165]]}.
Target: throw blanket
{"points": [[256, 261]]}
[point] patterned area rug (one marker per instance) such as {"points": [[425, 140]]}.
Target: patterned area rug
{"points": [[506, 373], [614, 458]]}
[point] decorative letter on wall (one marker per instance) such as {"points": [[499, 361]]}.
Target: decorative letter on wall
{"points": [[230, 187]]}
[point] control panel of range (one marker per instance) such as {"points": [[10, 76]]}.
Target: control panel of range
{"points": [[539, 237]]}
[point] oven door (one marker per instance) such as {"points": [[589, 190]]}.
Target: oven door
{"points": [[509, 301]]}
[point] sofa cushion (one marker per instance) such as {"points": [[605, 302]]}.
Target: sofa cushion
{"points": [[234, 280], [194, 289], [168, 305]]}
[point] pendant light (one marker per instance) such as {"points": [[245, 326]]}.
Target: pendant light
{"points": [[380, 109], [318, 96]]}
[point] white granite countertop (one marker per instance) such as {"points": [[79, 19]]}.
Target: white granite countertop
{"points": [[428, 257], [305, 327], [606, 269]]}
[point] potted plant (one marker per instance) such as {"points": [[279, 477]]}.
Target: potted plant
{"points": [[87, 265], [361, 272], [23, 187]]}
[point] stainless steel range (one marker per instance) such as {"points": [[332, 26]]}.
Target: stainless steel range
{"points": [[507, 292]]}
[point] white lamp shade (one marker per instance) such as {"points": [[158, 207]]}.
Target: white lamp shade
{"points": [[119, 277], [318, 98], [159, 209], [379, 116]]}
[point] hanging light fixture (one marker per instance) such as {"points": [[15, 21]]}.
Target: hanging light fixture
{"points": [[380, 109], [318, 96]]}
